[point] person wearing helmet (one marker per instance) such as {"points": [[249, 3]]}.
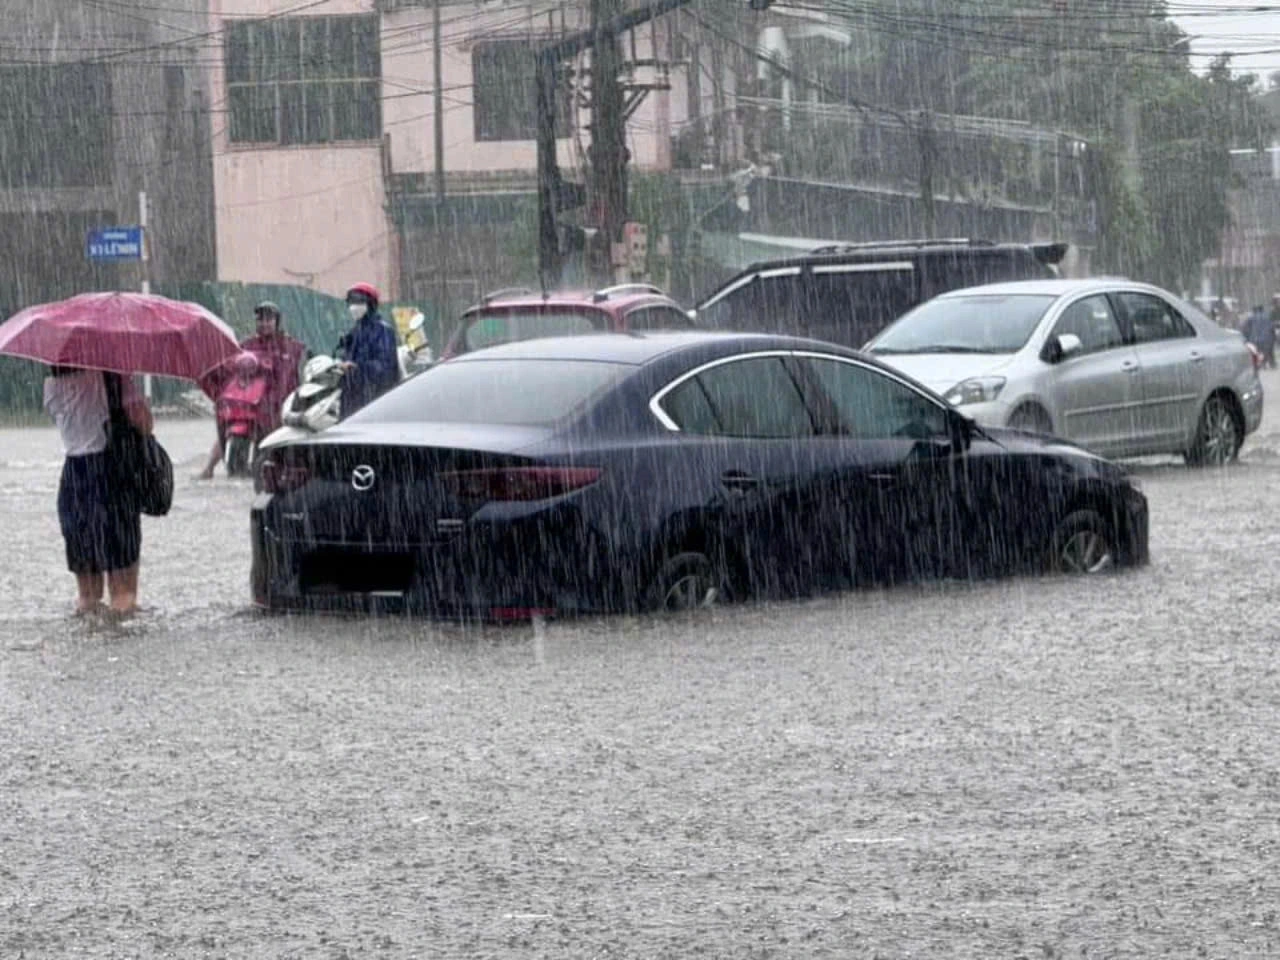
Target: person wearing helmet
{"points": [[282, 355], [279, 355], [368, 351]]}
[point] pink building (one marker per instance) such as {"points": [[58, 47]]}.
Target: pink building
{"points": [[324, 111]]}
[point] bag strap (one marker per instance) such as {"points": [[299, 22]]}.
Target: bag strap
{"points": [[115, 398]]}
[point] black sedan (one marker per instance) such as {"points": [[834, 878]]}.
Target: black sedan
{"points": [[657, 471]]}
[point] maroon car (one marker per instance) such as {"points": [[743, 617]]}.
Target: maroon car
{"points": [[506, 316]]}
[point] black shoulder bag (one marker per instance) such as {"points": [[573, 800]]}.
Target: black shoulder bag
{"points": [[140, 467]]}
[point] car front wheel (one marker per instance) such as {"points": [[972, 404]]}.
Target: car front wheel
{"points": [[1083, 543], [1032, 419], [687, 581]]}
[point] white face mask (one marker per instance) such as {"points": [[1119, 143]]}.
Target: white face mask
{"points": [[357, 310]]}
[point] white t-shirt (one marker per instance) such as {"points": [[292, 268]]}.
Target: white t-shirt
{"points": [[78, 404]]}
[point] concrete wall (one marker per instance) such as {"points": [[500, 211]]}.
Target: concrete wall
{"points": [[158, 142], [311, 215]]}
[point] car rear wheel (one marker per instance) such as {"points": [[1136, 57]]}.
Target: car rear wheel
{"points": [[1083, 543], [1031, 418], [1218, 437], [687, 581]]}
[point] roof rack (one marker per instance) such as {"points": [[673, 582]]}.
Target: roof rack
{"points": [[506, 292], [901, 244], [621, 288]]}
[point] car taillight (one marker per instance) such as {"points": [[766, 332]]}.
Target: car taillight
{"points": [[519, 483], [277, 477]]}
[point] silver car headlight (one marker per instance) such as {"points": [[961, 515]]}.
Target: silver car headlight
{"points": [[975, 390]]}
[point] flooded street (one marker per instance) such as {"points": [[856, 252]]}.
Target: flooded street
{"points": [[1024, 768]]}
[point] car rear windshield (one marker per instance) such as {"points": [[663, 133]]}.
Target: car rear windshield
{"points": [[506, 326], [515, 392], [978, 324], [847, 307]]}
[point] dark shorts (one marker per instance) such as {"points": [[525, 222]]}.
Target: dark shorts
{"points": [[101, 533]]}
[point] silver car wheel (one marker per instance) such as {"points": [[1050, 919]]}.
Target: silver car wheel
{"points": [[1218, 434], [1086, 551]]}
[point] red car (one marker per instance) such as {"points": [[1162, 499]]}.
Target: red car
{"points": [[505, 316]]}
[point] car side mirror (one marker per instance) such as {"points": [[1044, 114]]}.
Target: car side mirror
{"points": [[961, 431], [1061, 347]]}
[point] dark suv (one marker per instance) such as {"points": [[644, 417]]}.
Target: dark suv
{"points": [[847, 293]]}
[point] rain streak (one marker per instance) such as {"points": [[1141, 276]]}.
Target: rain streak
{"points": [[634, 478]]}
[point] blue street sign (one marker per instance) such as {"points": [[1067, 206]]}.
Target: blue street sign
{"points": [[114, 243]]}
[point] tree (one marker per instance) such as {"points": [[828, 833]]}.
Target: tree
{"points": [[1115, 72]]}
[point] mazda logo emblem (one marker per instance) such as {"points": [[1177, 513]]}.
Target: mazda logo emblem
{"points": [[362, 477]]}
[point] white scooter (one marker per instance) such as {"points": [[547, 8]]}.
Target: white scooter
{"points": [[317, 403]]}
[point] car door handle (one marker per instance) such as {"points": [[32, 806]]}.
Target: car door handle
{"points": [[883, 479], [1197, 356], [1130, 367], [738, 481]]}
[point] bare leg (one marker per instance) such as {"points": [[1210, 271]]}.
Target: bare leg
{"points": [[123, 587], [215, 458], [89, 587]]}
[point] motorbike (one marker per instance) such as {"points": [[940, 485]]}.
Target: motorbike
{"points": [[415, 353], [317, 403], [242, 417]]}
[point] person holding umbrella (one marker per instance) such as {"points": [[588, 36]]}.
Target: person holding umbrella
{"points": [[101, 524], [115, 470]]}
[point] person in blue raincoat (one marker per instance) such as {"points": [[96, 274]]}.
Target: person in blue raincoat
{"points": [[367, 352]]}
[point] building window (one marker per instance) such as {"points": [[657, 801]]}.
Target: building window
{"points": [[295, 80], [55, 126], [505, 93]]}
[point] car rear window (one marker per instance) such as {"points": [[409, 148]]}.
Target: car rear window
{"points": [[507, 326], [953, 271], [848, 305], [514, 392]]}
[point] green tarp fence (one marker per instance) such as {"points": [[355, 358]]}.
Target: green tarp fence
{"points": [[317, 319]]}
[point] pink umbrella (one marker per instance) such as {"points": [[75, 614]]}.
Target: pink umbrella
{"points": [[123, 333]]}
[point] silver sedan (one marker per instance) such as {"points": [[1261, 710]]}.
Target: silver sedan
{"points": [[1125, 369]]}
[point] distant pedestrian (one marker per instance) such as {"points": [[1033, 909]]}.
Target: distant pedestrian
{"points": [[368, 352], [101, 524], [1275, 327], [1260, 331]]}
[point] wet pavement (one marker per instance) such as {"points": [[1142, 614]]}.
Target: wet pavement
{"points": [[1026, 768]]}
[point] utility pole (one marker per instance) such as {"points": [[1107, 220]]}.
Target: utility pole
{"points": [[442, 244], [608, 152], [145, 254], [610, 129]]}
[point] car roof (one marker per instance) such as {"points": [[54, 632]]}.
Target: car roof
{"points": [[613, 303], [638, 348], [905, 250], [1052, 288]]}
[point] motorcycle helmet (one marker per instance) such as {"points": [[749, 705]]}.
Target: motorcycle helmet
{"points": [[246, 364], [364, 293]]}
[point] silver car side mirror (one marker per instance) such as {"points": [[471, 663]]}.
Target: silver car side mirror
{"points": [[1068, 344]]}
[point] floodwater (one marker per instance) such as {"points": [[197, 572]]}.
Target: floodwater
{"points": [[1027, 768]]}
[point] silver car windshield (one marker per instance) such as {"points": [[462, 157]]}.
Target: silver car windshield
{"points": [[979, 324]]}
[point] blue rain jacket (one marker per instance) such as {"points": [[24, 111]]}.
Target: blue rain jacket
{"points": [[371, 346]]}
